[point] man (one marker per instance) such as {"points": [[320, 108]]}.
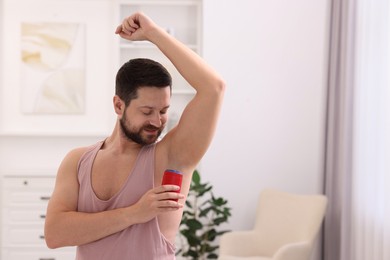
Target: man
{"points": [[108, 198]]}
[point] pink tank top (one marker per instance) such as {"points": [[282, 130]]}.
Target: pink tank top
{"points": [[137, 242]]}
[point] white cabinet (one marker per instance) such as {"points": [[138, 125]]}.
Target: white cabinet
{"points": [[182, 19], [33, 254], [24, 202]]}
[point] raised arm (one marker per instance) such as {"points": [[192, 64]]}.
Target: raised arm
{"points": [[188, 142]]}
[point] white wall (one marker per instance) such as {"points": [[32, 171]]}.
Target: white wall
{"points": [[37, 155], [273, 56]]}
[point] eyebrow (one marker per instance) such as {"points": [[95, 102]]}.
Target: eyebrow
{"points": [[151, 107]]}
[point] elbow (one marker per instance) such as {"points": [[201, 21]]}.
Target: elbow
{"points": [[216, 88], [54, 241], [52, 238], [51, 241], [220, 86], [51, 244]]}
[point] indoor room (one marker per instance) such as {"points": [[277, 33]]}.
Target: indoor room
{"points": [[284, 156]]}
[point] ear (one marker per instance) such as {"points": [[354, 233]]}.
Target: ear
{"points": [[119, 105]]}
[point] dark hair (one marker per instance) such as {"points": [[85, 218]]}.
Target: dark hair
{"points": [[137, 73]]}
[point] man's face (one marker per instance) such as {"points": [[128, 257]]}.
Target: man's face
{"points": [[145, 118]]}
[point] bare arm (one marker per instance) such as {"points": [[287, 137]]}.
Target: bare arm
{"points": [[198, 122], [64, 226]]}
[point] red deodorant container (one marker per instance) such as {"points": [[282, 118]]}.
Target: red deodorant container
{"points": [[172, 177]]}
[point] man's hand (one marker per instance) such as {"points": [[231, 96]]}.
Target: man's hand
{"points": [[136, 27], [156, 201]]}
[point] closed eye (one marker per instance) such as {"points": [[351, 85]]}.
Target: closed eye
{"points": [[163, 112], [147, 112]]}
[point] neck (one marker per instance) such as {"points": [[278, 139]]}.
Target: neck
{"points": [[119, 143]]}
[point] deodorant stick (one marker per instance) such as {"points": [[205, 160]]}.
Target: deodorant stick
{"points": [[172, 177]]}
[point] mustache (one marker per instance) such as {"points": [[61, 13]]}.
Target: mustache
{"points": [[151, 128]]}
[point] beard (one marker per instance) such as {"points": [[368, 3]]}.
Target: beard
{"points": [[136, 135]]}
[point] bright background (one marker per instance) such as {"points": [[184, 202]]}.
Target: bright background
{"points": [[273, 56]]}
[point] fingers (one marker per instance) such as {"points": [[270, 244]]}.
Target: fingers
{"points": [[128, 26], [169, 192], [169, 204], [167, 187], [118, 29], [170, 196], [132, 23], [157, 201]]}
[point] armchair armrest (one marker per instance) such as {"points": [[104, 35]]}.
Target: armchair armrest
{"points": [[294, 251], [238, 243]]}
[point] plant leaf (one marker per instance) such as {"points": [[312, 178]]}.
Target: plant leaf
{"points": [[196, 177], [205, 211], [188, 204], [194, 224], [218, 221], [209, 235], [192, 253], [212, 256]]}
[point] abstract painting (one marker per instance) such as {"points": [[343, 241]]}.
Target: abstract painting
{"points": [[53, 68], [58, 67]]}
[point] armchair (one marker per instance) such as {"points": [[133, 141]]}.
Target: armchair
{"points": [[286, 228]]}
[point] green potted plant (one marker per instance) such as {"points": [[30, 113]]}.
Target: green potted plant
{"points": [[203, 214]]}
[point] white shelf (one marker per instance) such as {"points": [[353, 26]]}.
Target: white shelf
{"points": [[183, 92], [148, 45], [13, 133], [160, 2]]}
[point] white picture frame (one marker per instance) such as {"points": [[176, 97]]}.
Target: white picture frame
{"points": [[97, 115]]}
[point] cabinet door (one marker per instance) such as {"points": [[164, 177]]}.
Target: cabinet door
{"points": [[23, 235], [18, 191], [25, 215], [23, 254], [29, 182]]}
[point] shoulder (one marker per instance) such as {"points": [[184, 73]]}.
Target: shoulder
{"points": [[77, 153], [73, 157], [68, 168]]}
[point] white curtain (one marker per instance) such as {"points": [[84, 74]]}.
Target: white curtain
{"points": [[370, 216], [357, 174]]}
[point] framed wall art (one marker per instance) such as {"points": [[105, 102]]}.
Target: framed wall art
{"points": [[57, 67]]}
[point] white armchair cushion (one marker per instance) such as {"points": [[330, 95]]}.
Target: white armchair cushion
{"points": [[285, 229], [243, 258], [293, 251], [239, 243]]}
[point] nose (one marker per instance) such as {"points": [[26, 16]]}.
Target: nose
{"points": [[156, 120]]}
